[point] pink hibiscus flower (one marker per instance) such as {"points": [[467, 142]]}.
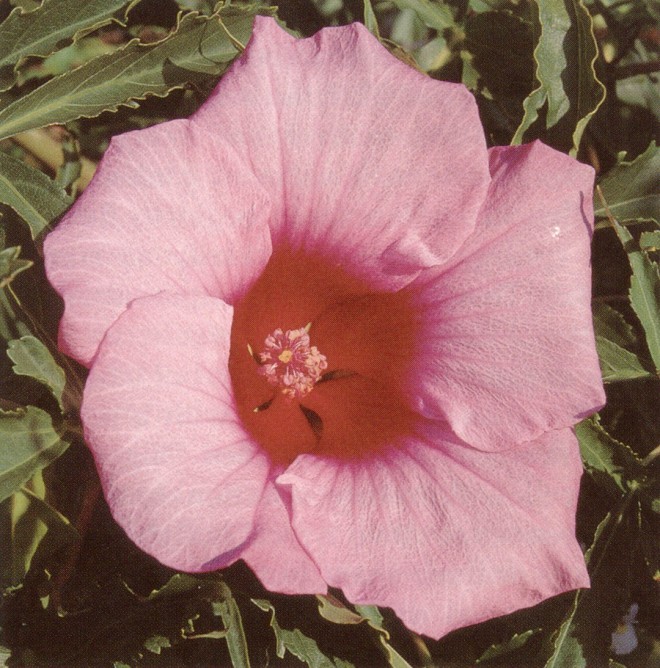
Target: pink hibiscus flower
{"points": [[333, 335]]}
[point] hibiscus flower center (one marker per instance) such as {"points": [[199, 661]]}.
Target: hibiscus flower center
{"points": [[331, 387], [290, 363]]}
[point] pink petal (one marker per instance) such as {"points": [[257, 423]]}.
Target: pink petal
{"points": [[364, 158], [506, 347], [275, 554], [180, 474], [170, 209], [445, 535]]}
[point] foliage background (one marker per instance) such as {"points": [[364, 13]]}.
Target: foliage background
{"points": [[582, 76]]}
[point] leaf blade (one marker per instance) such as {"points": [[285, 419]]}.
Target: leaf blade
{"points": [[28, 443], [32, 358], [644, 291], [198, 48], [572, 92], [41, 31], [31, 194], [631, 188]]}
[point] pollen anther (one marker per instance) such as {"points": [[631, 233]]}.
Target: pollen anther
{"points": [[290, 363]]}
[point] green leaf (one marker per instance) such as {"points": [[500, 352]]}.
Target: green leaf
{"points": [[618, 364], [32, 358], [225, 607], [199, 48], [28, 443], [583, 638], [69, 171], [157, 643], [29, 192], [644, 291], [435, 15], [370, 20], [336, 612], [11, 265], [650, 241], [42, 31], [501, 649], [22, 530], [610, 324], [612, 464], [301, 646], [181, 583], [50, 516], [375, 619], [567, 82], [615, 339], [631, 188]]}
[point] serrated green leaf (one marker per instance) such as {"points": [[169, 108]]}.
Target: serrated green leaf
{"points": [[631, 188], [583, 638], [615, 339], [618, 364], [301, 646], [611, 463], [11, 265], [568, 652], [181, 583], [32, 358], [433, 14], [644, 291], [42, 31], [501, 649], [199, 48], [28, 443], [610, 324], [375, 619], [337, 613], [31, 194], [650, 241], [226, 607], [567, 82]]}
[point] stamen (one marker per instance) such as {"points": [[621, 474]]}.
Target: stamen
{"points": [[290, 363]]}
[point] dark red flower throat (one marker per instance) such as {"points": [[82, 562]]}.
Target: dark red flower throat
{"points": [[354, 363]]}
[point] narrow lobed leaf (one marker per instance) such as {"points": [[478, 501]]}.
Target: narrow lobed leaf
{"points": [[226, 607], [31, 194], [370, 20], [615, 341], [297, 643], [28, 443], [200, 47], [650, 241], [610, 324], [43, 30], [514, 643], [567, 82], [631, 188], [433, 14], [618, 364], [644, 291], [11, 264], [32, 358], [611, 463]]}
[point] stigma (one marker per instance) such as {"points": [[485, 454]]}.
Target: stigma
{"points": [[289, 363]]}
